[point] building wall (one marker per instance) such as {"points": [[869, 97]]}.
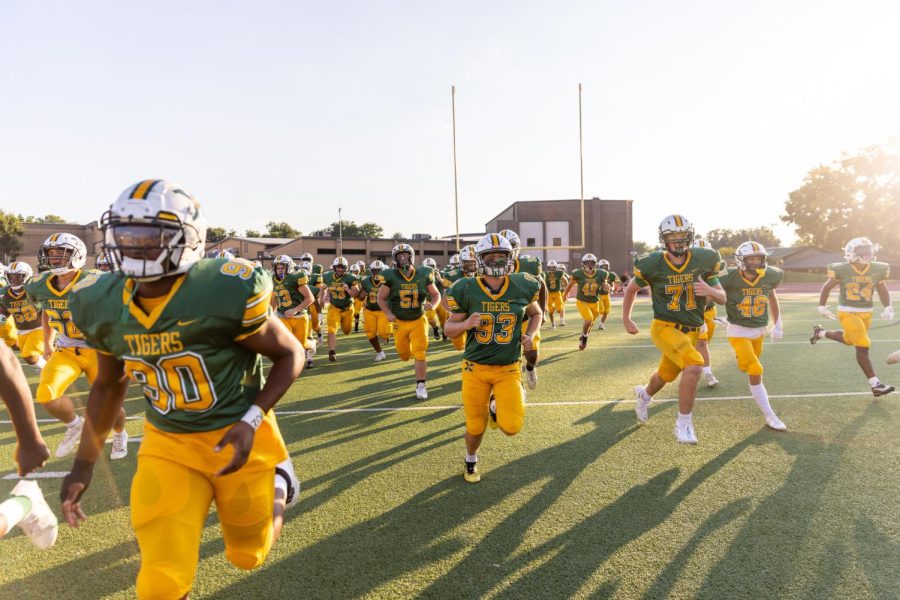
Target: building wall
{"points": [[326, 249]]}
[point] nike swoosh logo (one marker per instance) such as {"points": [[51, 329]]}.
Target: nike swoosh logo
{"points": [[184, 323]]}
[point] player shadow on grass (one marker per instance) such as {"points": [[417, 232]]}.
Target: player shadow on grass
{"points": [[880, 556], [419, 533], [780, 534]]}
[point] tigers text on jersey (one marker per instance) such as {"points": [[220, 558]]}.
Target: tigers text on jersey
{"points": [[672, 287], [747, 300], [287, 292], [497, 340], [339, 296], [55, 304], [409, 293], [184, 352], [370, 284], [21, 309], [858, 283], [589, 284]]}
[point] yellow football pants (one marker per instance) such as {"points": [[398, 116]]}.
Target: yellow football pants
{"points": [[31, 343], [376, 324], [709, 317], [505, 381], [411, 338], [8, 332], [357, 306], [856, 328], [299, 327], [747, 352], [459, 342], [555, 302], [589, 310], [338, 317], [536, 340], [314, 317], [604, 304], [61, 371], [439, 313], [677, 347]]}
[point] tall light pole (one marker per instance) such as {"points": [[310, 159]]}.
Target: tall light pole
{"points": [[455, 183], [340, 234]]}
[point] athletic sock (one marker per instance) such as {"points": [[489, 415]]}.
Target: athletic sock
{"points": [[707, 370], [471, 458], [685, 419], [418, 381], [73, 422], [874, 381], [39, 365], [761, 396], [821, 334], [645, 396], [14, 509]]}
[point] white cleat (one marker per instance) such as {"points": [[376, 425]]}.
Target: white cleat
{"points": [[70, 440], [775, 423], [642, 405], [379, 356], [286, 469], [119, 446], [421, 392], [562, 322], [711, 380], [553, 326], [531, 378], [601, 326], [894, 357], [684, 433], [40, 525]]}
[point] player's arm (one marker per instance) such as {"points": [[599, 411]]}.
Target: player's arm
{"points": [[105, 401], [47, 332], [275, 342], [714, 291], [627, 302], [572, 282], [384, 292], [829, 285], [459, 323], [434, 296], [308, 299], [885, 296], [31, 451]]}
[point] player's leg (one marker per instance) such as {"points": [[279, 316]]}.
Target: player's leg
{"points": [[169, 505], [27, 508], [552, 298], [442, 315], [856, 333], [347, 319], [333, 321], [31, 348], [509, 398], [587, 312], [58, 374], [402, 331], [244, 501], [603, 312], [432, 319], [529, 365], [357, 311], [418, 341], [709, 320], [385, 327], [562, 310], [476, 397], [370, 324]]}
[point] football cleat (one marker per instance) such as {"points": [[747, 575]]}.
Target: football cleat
{"points": [[684, 433], [492, 413], [553, 326], [421, 392], [286, 470], [471, 473], [332, 357], [119, 446], [562, 322], [775, 423], [437, 332], [642, 405], [70, 440], [582, 342], [531, 377], [882, 389], [711, 380], [601, 326], [815, 336], [40, 524], [379, 356]]}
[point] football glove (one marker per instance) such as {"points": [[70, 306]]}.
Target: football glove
{"points": [[777, 331], [823, 310], [888, 314]]}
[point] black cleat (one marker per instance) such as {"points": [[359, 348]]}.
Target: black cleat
{"points": [[437, 332], [882, 389], [582, 342], [815, 335], [331, 356]]}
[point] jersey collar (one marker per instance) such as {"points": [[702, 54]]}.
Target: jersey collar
{"points": [[752, 283], [487, 290], [66, 289], [683, 265], [137, 312], [403, 275], [864, 270]]}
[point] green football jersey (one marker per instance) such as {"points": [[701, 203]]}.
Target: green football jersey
{"points": [[317, 269], [185, 353], [556, 281], [858, 283], [611, 279], [747, 300], [371, 284], [287, 292], [451, 276], [335, 285], [528, 264], [55, 304], [672, 288], [315, 284], [497, 340], [589, 284], [409, 293], [20, 308]]}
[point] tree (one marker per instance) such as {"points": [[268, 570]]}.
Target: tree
{"points": [[398, 236], [371, 230], [351, 229], [641, 247], [252, 233], [281, 230], [10, 232], [44, 219], [856, 196], [217, 234], [732, 238]]}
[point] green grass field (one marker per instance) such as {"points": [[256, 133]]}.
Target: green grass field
{"points": [[583, 503]]}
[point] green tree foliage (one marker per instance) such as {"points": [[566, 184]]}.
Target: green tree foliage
{"points": [[10, 232], [641, 247], [732, 238], [858, 195], [351, 229], [44, 219], [217, 234], [281, 230], [250, 233]]}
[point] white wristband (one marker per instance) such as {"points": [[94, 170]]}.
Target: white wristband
{"points": [[253, 417]]}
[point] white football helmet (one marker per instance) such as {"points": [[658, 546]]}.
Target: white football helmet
{"points": [[701, 243], [859, 250], [589, 258], [562, 268], [552, 265], [748, 250], [154, 229], [676, 234], [103, 262], [17, 274], [285, 262], [513, 239], [354, 269], [340, 263], [430, 262], [398, 251], [377, 267], [468, 261], [494, 243], [72, 257], [603, 264], [454, 261], [225, 254]]}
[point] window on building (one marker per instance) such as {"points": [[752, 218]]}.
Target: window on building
{"points": [[557, 241], [355, 251], [530, 242], [326, 251], [434, 253]]}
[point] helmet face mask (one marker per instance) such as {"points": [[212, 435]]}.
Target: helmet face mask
{"points": [[751, 258], [589, 262], [17, 275], [376, 268], [455, 260], [468, 261], [552, 265], [494, 255], [283, 265], [404, 256], [430, 262], [339, 265], [676, 234], [104, 263]]}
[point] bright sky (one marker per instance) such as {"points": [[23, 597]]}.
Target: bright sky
{"points": [[287, 110]]}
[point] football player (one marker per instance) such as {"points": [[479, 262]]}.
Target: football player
{"points": [[357, 302], [378, 329], [437, 316], [555, 286], [491, 308], [16, 306], [860, 277], [63, 256], [406, 293], [532, 266], [225, 254], [710, 312], [589, 281], [677, 275], [565, 283], [25, 506], [8, 332], [190, 331], [315, 285], [103, 263], [338, 289], [291, 299], [467, 266], [605, 291], [750, 298]]}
